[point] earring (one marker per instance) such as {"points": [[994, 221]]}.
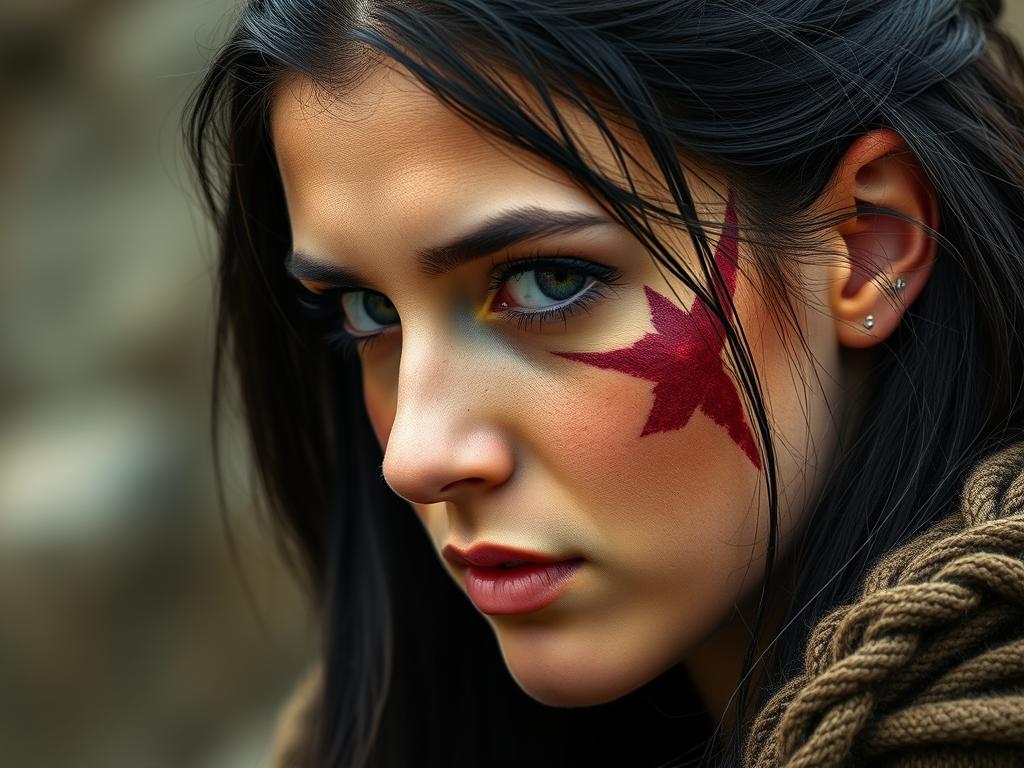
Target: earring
{"points": [[900, 284], [869, 322]]}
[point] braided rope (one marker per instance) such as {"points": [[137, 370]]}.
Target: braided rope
{"points": [[920, 670], [956, 757], [967, 721]]}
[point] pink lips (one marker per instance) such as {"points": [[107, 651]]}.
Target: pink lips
{"points": [[517, 589], [520, 589]]}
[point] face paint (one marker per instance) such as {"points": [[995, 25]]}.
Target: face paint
{"points": [[684, 357]]}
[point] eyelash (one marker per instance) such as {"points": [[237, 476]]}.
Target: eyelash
{"points": [[326, 305]]}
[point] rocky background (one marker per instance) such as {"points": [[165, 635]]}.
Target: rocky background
{"points": [[129, 638], [129, 635]]}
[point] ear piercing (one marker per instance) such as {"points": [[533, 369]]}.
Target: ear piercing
{"points": [[898, 286]]}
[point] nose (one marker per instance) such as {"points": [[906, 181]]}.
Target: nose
{"points": [[445, 443]]}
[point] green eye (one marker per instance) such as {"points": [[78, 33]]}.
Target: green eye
{"points": [[537, 289], [368, 311]]}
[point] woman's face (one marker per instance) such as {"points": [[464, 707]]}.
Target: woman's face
{"points": [[612, 430]]}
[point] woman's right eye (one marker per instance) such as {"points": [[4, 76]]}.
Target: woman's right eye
{"points": [[350, 317], [367, 312]]}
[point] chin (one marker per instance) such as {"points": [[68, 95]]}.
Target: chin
{"points": [[558, 675], [571, 696]]}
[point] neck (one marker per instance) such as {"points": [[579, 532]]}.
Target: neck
{"points": [[716, 665]]}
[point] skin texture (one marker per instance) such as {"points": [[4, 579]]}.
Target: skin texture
{"points": [[522, 436], [684, 358]]}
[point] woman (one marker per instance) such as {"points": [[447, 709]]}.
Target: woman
{"points": [[680, 326]]}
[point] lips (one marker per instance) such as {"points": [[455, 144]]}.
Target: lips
{"points": [[522, 589], [489, 555], [507, 580]]}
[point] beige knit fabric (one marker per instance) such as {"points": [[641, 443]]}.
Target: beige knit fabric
{"points": [[926, 669]]}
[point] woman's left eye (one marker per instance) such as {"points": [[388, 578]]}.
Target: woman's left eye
{"points": [[535, 289]]}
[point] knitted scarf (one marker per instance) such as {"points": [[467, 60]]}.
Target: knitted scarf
{"points": [[927, 667]]}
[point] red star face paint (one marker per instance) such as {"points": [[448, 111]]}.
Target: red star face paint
{"points": [[684, 357]]}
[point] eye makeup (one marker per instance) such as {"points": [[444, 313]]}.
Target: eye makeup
{"points": [[550, 271], [333, 308], [684, 357], [325, 308]]}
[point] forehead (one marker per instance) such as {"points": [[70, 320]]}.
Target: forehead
{"points": [[387, 159], [388, 150]]}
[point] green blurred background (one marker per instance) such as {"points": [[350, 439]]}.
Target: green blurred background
{"points": [[128, 636]]}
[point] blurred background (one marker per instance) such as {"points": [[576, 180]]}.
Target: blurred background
{"points": [[129, 637]]}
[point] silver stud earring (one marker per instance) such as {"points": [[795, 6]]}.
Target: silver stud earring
{"points": [[869, 322], [504, 305], [900, 284]]}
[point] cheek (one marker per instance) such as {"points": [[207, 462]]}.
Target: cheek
{"points": [[381, 413], [803, 394], [663, 500], [676, 514], [666, 520], [687, 488], [380, 374]]}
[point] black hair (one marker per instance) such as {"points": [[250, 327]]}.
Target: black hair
{"points": [[770, 93]]}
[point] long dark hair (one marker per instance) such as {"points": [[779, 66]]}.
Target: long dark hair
{"points": [[768, 92]]}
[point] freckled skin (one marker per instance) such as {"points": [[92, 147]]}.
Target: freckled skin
{"points": [[684, 358], [503, 434]]}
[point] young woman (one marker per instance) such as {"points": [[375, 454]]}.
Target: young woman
{"points": [[640, 381]]}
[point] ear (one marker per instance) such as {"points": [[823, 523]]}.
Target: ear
{"points": [[887, 260]]}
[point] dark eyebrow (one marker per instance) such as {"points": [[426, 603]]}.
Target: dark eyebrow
{"points": [[501, 230]]}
